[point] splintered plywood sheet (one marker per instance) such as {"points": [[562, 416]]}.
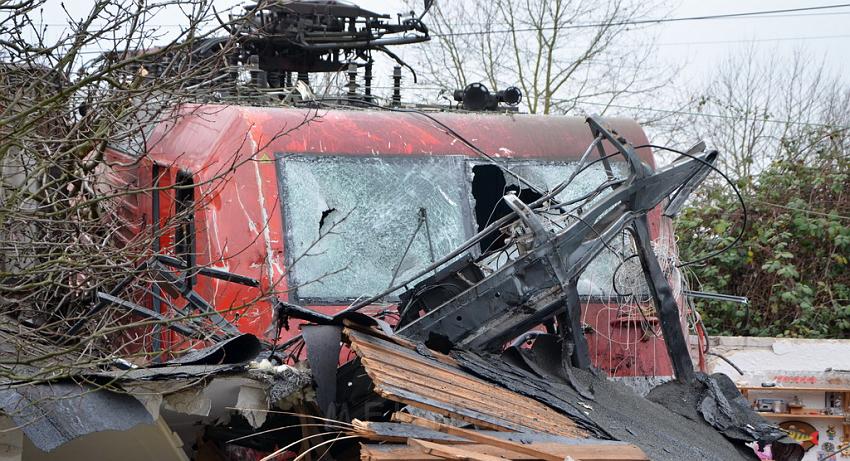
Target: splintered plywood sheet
{"points": [[402, 375]]}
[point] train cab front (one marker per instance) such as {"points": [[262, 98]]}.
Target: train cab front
{"points": [[396, 215]]}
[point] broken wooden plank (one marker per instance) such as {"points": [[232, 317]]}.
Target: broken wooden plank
{"points": [[448, 410], [400, 432], [482, 401], [461, 390], [407, 376], [477, 437], [547, 451], [373, 452], [452, 452], [373, 331]]}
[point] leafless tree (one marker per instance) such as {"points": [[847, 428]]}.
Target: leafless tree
{"points": [[65, 99], [761, 106], [565, 55]]}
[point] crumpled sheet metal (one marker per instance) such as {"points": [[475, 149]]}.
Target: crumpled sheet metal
{"points": [[53, 414], [231, 355]]}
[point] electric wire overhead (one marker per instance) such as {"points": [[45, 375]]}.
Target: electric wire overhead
{"points": [[637, 22], [413, 89], [768, 14], [719, 116]]}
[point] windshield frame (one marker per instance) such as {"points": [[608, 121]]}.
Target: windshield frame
{"points": [[467, 215]]}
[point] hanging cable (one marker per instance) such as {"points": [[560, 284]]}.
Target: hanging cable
{"points": [[650, 21], [740, 235]]}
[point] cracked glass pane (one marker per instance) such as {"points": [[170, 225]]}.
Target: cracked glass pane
{"points": [[549, 175], [355, 224]]}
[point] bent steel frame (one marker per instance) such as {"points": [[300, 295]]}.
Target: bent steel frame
{"points": [[541, 284]]}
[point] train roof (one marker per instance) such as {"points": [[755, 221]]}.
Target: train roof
{"points": [[209, 134]]}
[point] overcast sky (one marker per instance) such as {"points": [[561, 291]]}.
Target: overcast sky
{"points": [[695, 47], [699, 45]]}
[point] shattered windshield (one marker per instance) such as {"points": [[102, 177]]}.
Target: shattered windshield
{"points": [[548, 175], [356, 224]]}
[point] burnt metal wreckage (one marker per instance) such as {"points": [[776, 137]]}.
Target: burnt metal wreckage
{"points": [[276, 45]]}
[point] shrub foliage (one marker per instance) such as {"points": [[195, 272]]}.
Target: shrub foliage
{"points": [[792, 263]]}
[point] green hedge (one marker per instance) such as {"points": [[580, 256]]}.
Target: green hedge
{"points": [[793, 260]]}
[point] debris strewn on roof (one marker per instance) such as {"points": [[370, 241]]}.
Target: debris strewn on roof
{"points": [[203, 385], [402, 375]]}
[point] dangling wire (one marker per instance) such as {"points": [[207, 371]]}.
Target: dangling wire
{"points": [[740, 235]]}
